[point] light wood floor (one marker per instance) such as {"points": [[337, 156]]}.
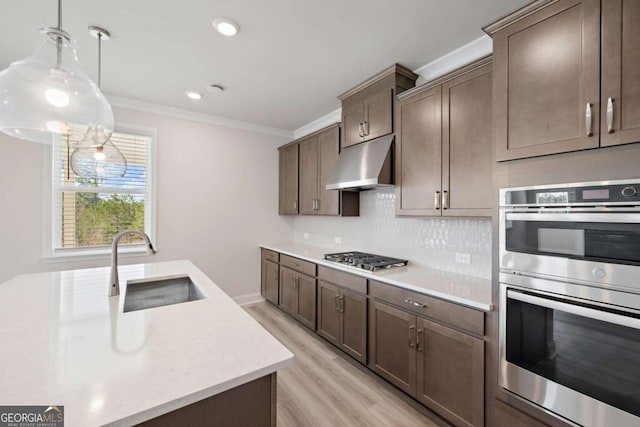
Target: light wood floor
{"points": [[323, 388]]}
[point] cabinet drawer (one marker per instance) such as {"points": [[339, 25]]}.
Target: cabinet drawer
{"points": [[446, 312], [270, 255], [305, 267], [346, 280]]}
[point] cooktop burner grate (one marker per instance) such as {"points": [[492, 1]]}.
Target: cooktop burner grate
{"points": [[365, 261]]}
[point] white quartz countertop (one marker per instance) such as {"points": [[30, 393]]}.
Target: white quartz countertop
{"points": [[63, 341], [471, 291]]}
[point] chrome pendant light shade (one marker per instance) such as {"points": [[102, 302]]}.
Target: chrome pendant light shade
{"points": [[42, 96], [98, 162]]}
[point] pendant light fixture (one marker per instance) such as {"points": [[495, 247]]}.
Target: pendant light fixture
{"points": [[96, 156], [42, 96]]}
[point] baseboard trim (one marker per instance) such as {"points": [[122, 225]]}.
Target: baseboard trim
{"points": [[248, 299]]}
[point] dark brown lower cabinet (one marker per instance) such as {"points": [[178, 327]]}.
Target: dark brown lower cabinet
{"points": [[439, 366], [342, 319], [450, 372], [270, 281], [298, 296]]}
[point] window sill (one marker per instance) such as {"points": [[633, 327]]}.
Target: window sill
{"points": [[72, 255]]}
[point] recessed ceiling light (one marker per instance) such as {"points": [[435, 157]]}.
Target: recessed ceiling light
{"points": [[193, 95], [226, 26], [215, 88]]}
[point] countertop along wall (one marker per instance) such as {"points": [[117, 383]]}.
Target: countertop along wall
{"points": [[217, 199], [432, 242]]}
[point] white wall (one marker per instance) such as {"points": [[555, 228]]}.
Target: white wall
{"points": [[217, 199], [431, 242]]}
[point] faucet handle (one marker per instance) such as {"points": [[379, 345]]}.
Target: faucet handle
{"points": [[152, 249]]}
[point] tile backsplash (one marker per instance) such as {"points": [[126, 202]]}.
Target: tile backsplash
{"points": [[433, 242]]}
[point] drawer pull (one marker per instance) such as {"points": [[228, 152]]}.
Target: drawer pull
{"points": [[336, 304], [415, 303], [411, 328], [418, 348]]}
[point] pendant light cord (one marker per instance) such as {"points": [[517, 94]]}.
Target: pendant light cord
{"points": [[60, 14], [59, 39], [99, 59]]}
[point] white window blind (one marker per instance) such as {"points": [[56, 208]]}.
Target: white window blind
{"points": [[89, 212]]}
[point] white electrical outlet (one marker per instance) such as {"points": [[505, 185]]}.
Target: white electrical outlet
{"points": [[463, 258], [337, 240], [305, 235]]}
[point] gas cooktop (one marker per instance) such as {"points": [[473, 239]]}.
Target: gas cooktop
{"points": [[365, 261]]}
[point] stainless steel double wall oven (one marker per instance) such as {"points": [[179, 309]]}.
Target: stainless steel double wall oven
{"points": [[570, 299]]}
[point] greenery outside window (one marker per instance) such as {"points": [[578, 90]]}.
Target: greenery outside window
{"points": [[89, 212]]}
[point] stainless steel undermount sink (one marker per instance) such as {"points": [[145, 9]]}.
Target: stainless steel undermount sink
{"points": [[157, 292]]}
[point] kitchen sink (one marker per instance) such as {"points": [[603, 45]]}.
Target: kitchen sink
{"points": [[149, 293]]}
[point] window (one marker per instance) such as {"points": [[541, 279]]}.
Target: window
{"points": [[89, 212]]}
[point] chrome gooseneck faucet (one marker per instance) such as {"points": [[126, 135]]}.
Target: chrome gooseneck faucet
{"points": [[114, 289]]}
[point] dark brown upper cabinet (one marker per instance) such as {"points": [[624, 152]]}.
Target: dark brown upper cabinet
{"points": [[547, 78], [367, 109], [444, 145], [620, 90], [288, 180]]}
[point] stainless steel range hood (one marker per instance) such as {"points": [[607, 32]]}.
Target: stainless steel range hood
{"points": [[364, 166]]}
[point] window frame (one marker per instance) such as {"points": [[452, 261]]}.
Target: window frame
{"points": [[51, 220]]}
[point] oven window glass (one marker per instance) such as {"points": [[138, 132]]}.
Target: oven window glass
{"points": [[594, 357], [602, 242]]}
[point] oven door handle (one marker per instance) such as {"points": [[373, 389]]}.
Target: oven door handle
{"points": [[574, 217], [578, 310]]}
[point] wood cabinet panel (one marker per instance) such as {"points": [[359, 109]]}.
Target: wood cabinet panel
{"points": [[288, 296], [450, 373], [297, 264], [352, 117], [288, 180], [306, 294], [546, 72], [328, 313], [345, 280], [378, 115], [309, 174], [270, 255], [467, 155], [328, 152], [620, 72], [353, 324], [419, 153], [392, 345], [270, 280]]}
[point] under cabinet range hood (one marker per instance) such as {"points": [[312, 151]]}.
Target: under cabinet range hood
{"points": [[364, 166]]}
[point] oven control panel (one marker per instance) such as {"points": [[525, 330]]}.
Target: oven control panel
{"points": [[616, 193]]}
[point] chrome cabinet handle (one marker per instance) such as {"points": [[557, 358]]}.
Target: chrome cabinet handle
{"points": [[588, 122], [316, 204], [341, 304], [411, 342], [415, 303], [610, 115], [335, 303], [295, 205], [436, 200], [361, 130], [366, 128], [445, 199], [418, 340]]}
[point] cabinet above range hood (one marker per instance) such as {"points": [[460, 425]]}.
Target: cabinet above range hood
{"points": [[364, 166]]}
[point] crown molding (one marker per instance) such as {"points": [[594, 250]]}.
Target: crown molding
{"points": [[164, 110], [478, 48], [516, 16], [389, 71], [321, 123]]}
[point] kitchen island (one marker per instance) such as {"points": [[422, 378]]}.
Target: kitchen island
{"points": [[65, 342]]}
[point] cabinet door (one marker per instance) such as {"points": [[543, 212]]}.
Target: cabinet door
{"points": [[308, 175], [467, 155], [306, 294], [289, 180], [270, 281], [288, 295], [353, 324], [620, 72], [328, 312], [546, 72], [352, 118], [450, 373], [378, 115], [329, 150], [392, 352], [418, 154]]}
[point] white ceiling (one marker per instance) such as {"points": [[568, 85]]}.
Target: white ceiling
{"points": [[284, 69]]}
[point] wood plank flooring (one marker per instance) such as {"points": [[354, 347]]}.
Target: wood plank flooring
{"points": [[323, 388]]}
